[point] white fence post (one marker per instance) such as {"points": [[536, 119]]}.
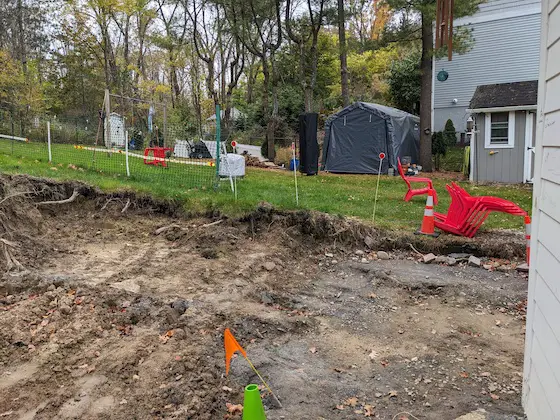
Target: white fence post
{"points": [[126, 153], [49, 140]]}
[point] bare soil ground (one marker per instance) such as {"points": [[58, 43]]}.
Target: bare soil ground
{"points": [[112, 321]]}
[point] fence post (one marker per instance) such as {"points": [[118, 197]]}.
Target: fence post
{"points": [[218, 138], [49, 140], [126, 153]]}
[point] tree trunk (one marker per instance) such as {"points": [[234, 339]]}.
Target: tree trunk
{"points": [[426, 95], [22, 53], [342, 50], [266, 111]]}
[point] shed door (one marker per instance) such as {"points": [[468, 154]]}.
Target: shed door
{"points": [[356, 141]]}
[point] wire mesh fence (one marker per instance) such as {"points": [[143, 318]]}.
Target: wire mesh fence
{"points": [[126, 138]]}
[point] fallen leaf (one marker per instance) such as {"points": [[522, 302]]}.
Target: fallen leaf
{"points": [[498, 322], [340, 407], [352, 401], [372, 355], [234, 408], [313, 350], [384, 363], [358, 412], [368, 410], [494, 397], [464, 374]]}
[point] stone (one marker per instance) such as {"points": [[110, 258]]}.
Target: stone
{"points": [[487, 266], [266, 298], [359, 252], [504, 268], [460, 256], [524, 268], [180, 305], [382, 255], [441, 259], [368, 240], [451, 261], [429, 258], [329, 255], [364, 261], [65, 309], [269, 266], [179, 334], [474, 261]]}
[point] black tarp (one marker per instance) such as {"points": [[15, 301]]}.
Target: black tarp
{"points": [[308, 146], [356, 135]]}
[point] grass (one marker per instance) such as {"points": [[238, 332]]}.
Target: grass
{"points": [[348, 195]]}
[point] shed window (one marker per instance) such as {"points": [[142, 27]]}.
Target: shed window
{"points": [[500, 130]]}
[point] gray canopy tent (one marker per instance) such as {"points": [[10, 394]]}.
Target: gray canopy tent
{"points": [[356, 135]]}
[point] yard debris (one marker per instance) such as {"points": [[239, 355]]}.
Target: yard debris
{"points": [[234, 408], [428, 258], [460, 256], [373, 354], [474, 261]]}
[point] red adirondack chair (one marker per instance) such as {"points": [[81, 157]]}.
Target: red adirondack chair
{"points": [[419, 191], [467, 213]]}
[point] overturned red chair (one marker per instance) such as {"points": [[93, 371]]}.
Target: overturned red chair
{"points": [[419, 191], [467, 213]]}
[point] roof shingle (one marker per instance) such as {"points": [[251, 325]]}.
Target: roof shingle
{"points": [[505, 94]]}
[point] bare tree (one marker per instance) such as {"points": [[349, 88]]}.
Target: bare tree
{"points": [[343, 54]]}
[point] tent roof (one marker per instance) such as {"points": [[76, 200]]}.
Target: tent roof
{"points": [[387, 110]]}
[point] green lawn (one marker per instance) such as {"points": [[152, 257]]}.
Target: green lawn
{"points": [[349, 195]]}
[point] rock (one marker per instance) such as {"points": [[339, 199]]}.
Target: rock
{"points": [[460, 256], [179, 334], [364, 260], [378, 395], [440, 259], [269, 266], [429, 258], [180, 305], [474, 261], [266, 298], [329, 255], [51, 288], [65, 309], [504, 268], [359, 252], [382, 255], [487, 266], [451, 261], [524, 268], [368, 240]]}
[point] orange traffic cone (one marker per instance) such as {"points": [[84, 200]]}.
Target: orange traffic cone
{"points": [[428, 222]]}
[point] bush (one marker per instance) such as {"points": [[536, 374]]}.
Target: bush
{"points": [[283, 156], [449, 133], [439, 148]]}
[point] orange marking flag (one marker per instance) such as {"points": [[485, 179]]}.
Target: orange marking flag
{"points": [[231, 346]]}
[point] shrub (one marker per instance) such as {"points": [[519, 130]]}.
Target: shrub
{"points": [[439, 148], [449, 133]]}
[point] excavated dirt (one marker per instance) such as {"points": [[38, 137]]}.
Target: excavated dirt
{"points": [[121, 316]]}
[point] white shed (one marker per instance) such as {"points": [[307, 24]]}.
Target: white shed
{"points": [[541, 381], [116, 136]]}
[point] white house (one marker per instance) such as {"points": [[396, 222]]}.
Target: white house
{"points": [[506, 49], [541, 379]]}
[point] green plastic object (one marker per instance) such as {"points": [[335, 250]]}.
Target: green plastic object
{"points": [[252, 405]]}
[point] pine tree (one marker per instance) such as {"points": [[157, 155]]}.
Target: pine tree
{"points": [[449, 133]]}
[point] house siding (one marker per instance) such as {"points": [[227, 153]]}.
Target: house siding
{"points": [[504, 50], [505, 166], [541, 378]]}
